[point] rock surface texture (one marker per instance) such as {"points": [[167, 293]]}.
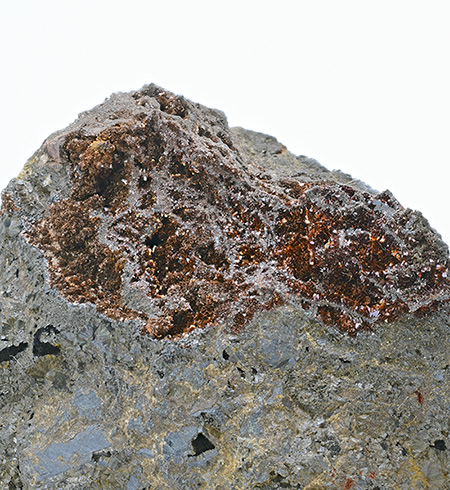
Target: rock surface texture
{"points": [[185, 305]]}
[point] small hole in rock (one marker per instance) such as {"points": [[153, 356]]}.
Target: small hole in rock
{"points": [[439, 444], [180, 321], [41, 348], [97, 455], [225, 355], [153, 241], [144, 182], [9, 353], [201, 444]]}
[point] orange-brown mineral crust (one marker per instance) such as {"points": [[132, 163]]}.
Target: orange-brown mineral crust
{"points": [[205, 241]]}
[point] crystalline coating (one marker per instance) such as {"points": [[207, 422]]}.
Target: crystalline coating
{"points": [[168, 222]]}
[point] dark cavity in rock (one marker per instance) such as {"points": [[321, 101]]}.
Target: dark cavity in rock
{"points": [[41, 348], [9, 353], [201, 444], [163, 205]]}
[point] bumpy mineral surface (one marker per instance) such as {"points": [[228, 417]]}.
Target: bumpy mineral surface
{"points": [[187, 305]]}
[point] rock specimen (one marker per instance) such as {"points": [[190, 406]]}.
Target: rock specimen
{"points": [[188, 305]]}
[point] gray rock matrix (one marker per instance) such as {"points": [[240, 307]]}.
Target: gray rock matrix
{"points": [[292, 376]]}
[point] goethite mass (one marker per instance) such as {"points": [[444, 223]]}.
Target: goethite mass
{"points": [[171, 220]]}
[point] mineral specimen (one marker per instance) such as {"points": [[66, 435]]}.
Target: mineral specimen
{"points": [[185, 305]]}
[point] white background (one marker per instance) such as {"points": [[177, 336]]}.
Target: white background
{"points": [[363, 86]]}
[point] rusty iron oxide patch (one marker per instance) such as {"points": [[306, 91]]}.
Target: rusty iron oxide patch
{"points": [[172, 216]]}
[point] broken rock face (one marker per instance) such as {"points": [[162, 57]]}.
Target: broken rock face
{"points": [[189, 296]]}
